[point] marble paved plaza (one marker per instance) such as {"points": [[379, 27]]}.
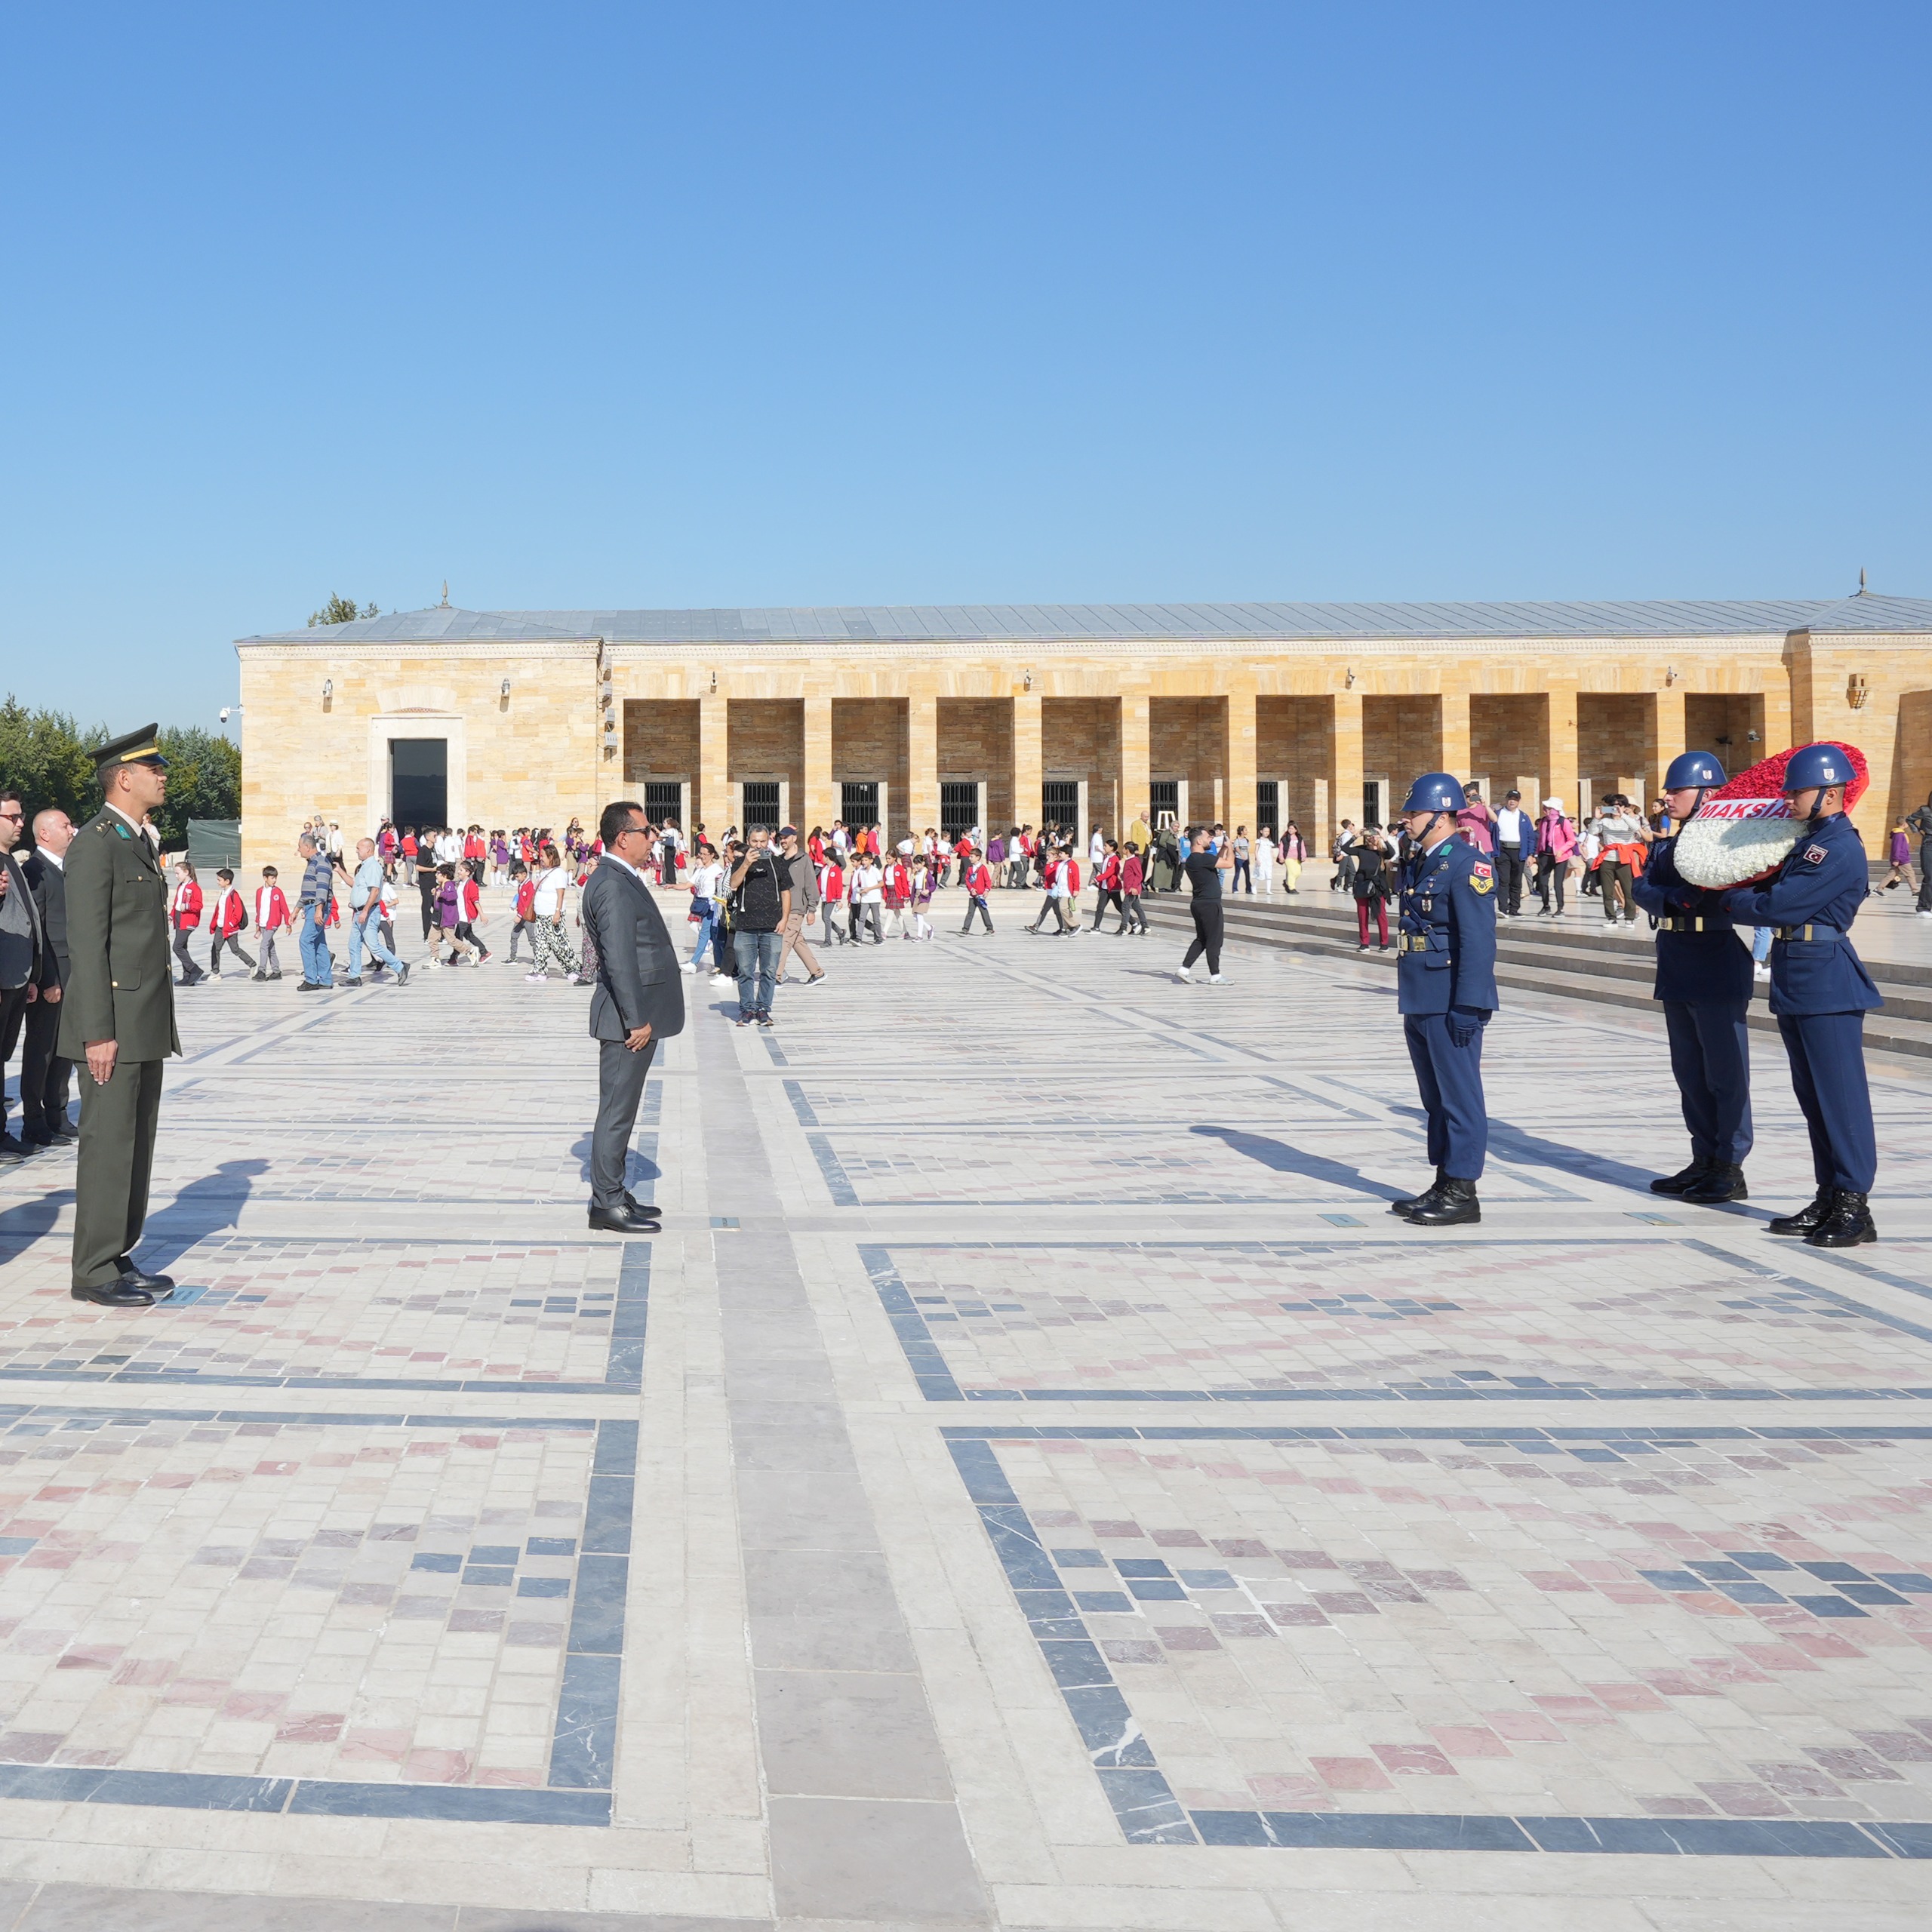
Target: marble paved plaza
{"points": [[1030, 1482]]}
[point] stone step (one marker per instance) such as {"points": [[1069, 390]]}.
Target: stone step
{"points": [[1611, 969]]}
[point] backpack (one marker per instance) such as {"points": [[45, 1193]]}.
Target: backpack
{"points": [[241, 905], [526, 898]]}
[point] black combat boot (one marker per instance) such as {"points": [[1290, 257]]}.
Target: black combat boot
{"points": [[1682, 1183], [1409, 1201], [1720, 1181], [1449, 1206], [1848, 1224], [1806, 1218]]}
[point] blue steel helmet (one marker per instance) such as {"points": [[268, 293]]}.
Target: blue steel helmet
{"points": [[1690, 768], [1817, 764], [1435, 792]]}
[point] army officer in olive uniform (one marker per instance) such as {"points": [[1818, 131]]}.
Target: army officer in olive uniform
{"points": [[118, 1020]]}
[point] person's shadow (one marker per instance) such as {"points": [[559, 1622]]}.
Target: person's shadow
{"points": [[203, 1208], [23, 1224], [636, 1167], [1286, 1160]]}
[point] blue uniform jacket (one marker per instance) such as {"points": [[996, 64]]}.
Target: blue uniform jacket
{"points": [[1449, 906], [1821, 885], [1711, 967]]}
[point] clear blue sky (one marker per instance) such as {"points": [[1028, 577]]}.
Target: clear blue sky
{"points": [[772, 304]]}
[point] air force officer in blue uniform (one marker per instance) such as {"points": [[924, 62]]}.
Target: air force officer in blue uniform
{"points": [[1704, 981], [1821, 992], [1446, 989]]}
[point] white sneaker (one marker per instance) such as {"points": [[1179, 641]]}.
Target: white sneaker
{"points": [[431, 965], [1760, 972], [1184, 973], [1922, 915], [723, 980], [688, 967], [1216, 979], [534, 979]]}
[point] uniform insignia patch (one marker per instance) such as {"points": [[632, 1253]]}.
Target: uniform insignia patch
{"points": [[123, 832], [1815, 855], [1481, 869], [1480, 880]]}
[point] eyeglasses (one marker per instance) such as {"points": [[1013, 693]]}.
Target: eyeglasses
{"points": [[19, 818]]}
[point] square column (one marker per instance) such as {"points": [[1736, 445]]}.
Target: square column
{"points": [[921, 754], [1026, 758], [1238, 760], [1455, 740], [821, 805], [714, 801], [1136, 762], [1562, 701], [1344, 764], [1666, 736]]}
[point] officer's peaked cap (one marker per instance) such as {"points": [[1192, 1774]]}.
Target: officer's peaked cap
{"points": [[1435, 792], [1690, 768], [141, 747], [1817, 764]]}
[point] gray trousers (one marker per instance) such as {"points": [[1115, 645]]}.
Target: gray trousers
{"points": [[118, 1124], [619, 1088]]}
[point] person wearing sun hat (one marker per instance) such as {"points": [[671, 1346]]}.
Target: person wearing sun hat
{"points": [[118, 1019]]}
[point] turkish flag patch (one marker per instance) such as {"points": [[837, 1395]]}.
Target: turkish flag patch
{"points": [[1815, 855]]}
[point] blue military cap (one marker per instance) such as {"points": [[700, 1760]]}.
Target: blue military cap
{"points": [[1690, 768], [1434, 791], [1817, 764]]}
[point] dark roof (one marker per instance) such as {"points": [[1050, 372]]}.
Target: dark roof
{"points": [[913, 623]]}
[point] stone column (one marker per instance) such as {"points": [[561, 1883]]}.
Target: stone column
{"points": [[1455, 744], [1136, 760], [1026, 757], [1666, 736], [1562, 760], [1238, 758], [1344, 764], [716, 805], [922, 753], [820, 804]]}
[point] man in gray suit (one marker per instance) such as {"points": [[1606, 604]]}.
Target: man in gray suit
{"points": [[639, 1001]]}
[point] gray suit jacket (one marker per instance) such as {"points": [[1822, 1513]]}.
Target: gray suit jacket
{"points": [[637, 976]]}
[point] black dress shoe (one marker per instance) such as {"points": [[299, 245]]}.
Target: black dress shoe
{"points": [[62, 1129], [1722, 1181], [1681, 1183], [1409, 1201], [10, 1149], [1451, 1205], [157, 1285], [623, 1221], [649, 1210], [121, 1294], [1848, 1225], [1806, 1218]]}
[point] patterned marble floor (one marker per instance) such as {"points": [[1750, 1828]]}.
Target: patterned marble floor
{"points": [[1030, 1482]]}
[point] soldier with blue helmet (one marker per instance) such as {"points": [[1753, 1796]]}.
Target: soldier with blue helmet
{"points": [[1445, 980], [1704, 981], [1821, 992]]}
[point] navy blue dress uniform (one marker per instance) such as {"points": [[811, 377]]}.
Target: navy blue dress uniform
{"points": [[1445, 979], [1820, 994], [1704, 982]]}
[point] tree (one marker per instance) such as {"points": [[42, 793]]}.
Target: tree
{"points": [[339, 609], [204, 781], [44, 756]]}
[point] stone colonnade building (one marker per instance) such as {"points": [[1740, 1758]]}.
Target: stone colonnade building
{"points": [[1079, 714]]}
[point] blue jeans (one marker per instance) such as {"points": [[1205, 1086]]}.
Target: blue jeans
{"points": [[707, 922], [360, 935], [317, 968], [758, 971]]}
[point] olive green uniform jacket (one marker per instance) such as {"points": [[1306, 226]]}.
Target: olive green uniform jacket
{"points": [[120, 986]]}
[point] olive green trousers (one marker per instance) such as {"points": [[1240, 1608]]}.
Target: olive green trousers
{"points": [[116, 1155]]}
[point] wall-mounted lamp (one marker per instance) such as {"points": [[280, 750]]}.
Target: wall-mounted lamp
{"points": [[714, 684], [504, 689], [1750, 737], [328, 689], [1670, 674], [1855, 693], [1026, 682], [1348, 680]]}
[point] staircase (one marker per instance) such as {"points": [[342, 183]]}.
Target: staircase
{"points": [[1583, 960]]}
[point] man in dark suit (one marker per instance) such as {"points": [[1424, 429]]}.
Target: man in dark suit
{"points": [[44, 1074], [24, 959], [639, 1001]]}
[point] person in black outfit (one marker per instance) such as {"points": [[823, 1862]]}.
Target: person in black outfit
{"points": [[44, 1074], [1370, 885], [1203, 869], [1920, 821]]}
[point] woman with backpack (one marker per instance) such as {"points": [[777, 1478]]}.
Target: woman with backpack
{"points": [[1555, 847]]}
